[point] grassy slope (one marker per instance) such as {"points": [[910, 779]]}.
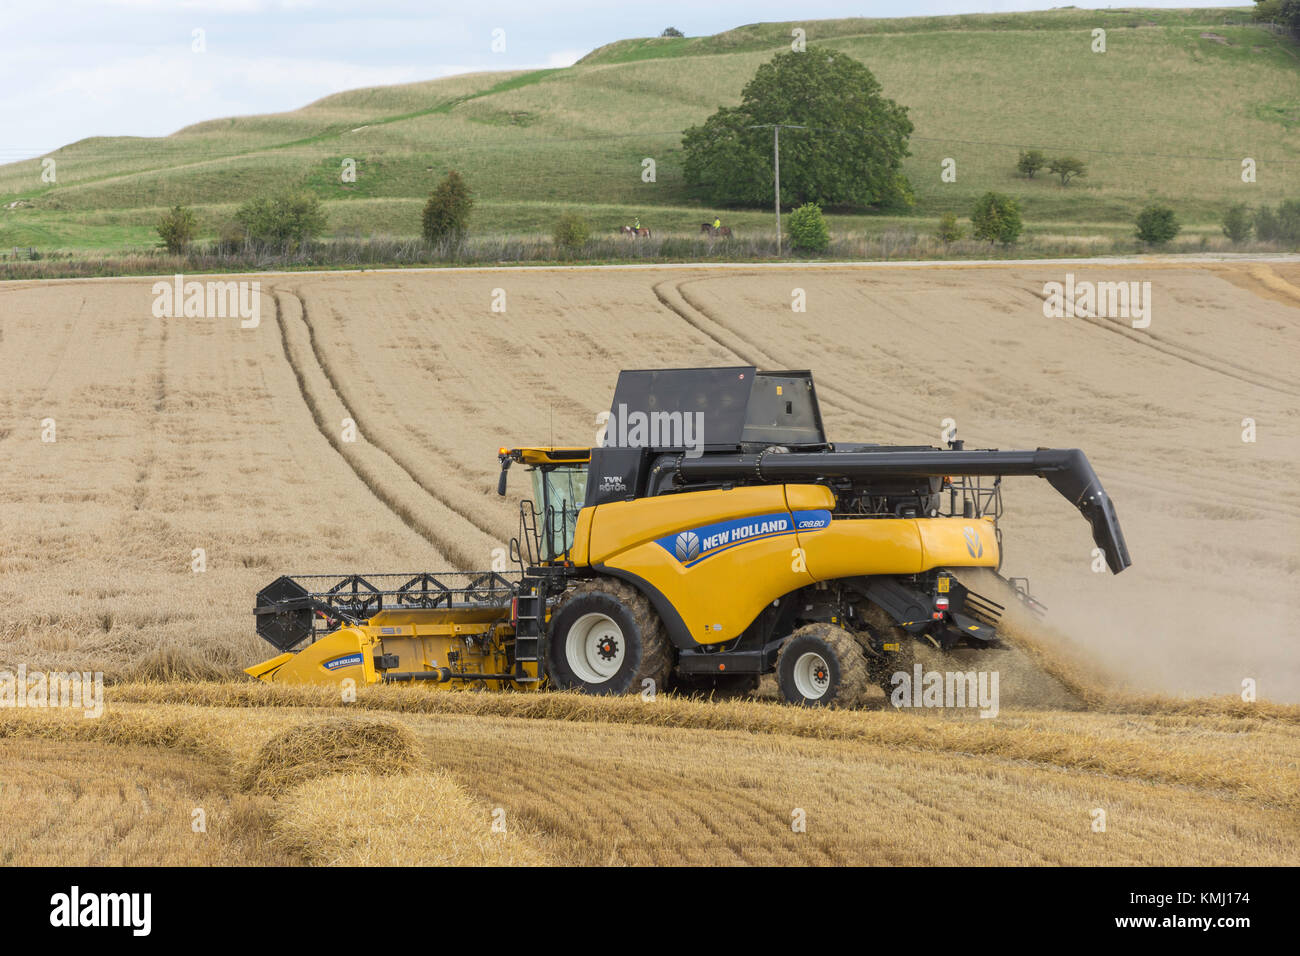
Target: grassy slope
{"points": [[533, 142]]}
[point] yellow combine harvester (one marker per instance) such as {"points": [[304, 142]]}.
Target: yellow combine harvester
{"points": [[715, 536]]}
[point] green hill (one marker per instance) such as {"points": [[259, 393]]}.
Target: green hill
{"points": [[1168, 111]]}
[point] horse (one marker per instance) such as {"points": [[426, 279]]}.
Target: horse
{"points": [[724, 231], [634, 233]]}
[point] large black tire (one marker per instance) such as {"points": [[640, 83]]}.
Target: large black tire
{"points": [[821, 665], [606, 638]]}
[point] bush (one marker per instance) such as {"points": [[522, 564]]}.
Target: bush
{"points": [[1265, 224], [1031, 161], [571, 232], [948, 230], [672, 32], [176, 229], [290, 218], [808, 230], [1288, 222], [1157, 224], [1279, 225], [446, 214], [1067, 168], [997, 218], [1236, 223]]}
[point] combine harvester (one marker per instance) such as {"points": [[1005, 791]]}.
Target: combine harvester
{"points": [[755, 547]]}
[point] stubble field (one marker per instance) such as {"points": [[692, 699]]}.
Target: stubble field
{"points": [[183, 434]]}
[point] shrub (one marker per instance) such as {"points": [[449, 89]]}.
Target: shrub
{"points": [[1265, 224], [176, 228], [997, 218], [1157, 224], [1067, 168], [808, 230], [1236, 223], [948, 230], [446, 214], [571, 232], [294, 218], [1288, 222], [672, 32], [1031, 161]]}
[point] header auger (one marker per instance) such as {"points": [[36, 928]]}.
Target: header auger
{"points": [[715, 536]]}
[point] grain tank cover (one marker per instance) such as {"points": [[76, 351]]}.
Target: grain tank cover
{"points": [[729, 408]]}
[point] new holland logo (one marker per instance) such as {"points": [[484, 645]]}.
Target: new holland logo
{"points": [[697, 544], [687, 546], [348, 661], [973, 543]]}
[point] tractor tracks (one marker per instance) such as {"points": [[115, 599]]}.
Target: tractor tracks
{"points": [[391, 482], [678, 301], [1186, 353], [673, 295], [372, 436]]}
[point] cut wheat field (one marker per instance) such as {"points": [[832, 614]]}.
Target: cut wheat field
{"points": [[182, 434]]}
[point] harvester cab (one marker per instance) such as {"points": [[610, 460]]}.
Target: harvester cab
{"points": [[714, 536], [548, 520]]}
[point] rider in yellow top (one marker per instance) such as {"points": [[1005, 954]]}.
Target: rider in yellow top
{"points": [[636, 223], [717, 223]]}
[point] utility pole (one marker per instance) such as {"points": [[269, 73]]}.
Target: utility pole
{"points": [[776, 168]]}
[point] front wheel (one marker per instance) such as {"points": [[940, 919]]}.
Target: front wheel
{"points": [[607, 639], [821, 665]]}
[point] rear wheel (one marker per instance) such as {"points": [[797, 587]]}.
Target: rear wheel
{"points": [[606, 638], [821, 665]]}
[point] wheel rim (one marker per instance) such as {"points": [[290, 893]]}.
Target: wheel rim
{"points": [[595, 648], [812, 675]]}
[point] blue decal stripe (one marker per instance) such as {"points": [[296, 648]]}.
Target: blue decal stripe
{"points": [[726, 530], [816, 520], [736, 544]]}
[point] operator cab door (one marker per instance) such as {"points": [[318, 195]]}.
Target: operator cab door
{"points": [[559, 491]]}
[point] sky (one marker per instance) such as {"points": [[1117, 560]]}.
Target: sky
{"points": [[70, 69]]}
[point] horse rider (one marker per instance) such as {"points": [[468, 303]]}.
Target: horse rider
{"points": [[636, 223], [717, 223]]}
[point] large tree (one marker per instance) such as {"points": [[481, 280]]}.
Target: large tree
{"points": [[850, 155], [1283, 12]]}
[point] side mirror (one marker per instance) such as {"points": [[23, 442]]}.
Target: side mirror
{"points": [[501, 482]]}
